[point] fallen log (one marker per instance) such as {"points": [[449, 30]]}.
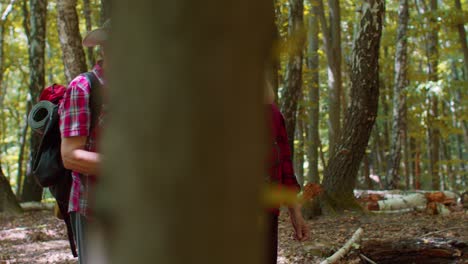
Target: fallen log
{"points": [[388, 194], [37, 206], [345, 249], [415, 251], [405, 202], [401, 211]]}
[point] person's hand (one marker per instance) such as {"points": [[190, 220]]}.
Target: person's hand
{"points": [[301, 229]]}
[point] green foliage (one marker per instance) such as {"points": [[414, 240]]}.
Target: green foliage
{"points": [[450, 89]]}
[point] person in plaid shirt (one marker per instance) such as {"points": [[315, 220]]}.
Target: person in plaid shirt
{"points": [[79, 153], [281, 172]]}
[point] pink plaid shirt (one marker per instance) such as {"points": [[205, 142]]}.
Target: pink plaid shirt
{"points": [[75, 120]]}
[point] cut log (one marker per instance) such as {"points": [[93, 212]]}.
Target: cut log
{"points": [[401, 211], [345, 249], [37, 206], [388, 194], [407, 202]]}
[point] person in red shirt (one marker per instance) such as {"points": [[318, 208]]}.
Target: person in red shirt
{"points": [[80, 139], [281, 173]]}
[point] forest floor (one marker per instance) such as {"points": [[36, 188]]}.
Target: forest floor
{"points": [[37, 237]]}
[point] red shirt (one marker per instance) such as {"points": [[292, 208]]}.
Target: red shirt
{"points": [[75, 120], [281, 169]]}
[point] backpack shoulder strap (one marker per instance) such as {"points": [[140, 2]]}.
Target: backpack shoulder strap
{"points": [[95, 98]]}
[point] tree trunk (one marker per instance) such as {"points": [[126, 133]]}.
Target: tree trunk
{"points": [[399, 96], [299, 158], [89, 27], [293, 81], [341, 172], [22, 147], [379, 160], [462, 36], [38, 14], [417, 166], [175, 160], [106, 6], [384, 140], [433, 107], [70, 39], [406, 154], [8, 202], [334, 76], [366, 172], [314, 96], [456, 122], [332, 43], [448, 167]]}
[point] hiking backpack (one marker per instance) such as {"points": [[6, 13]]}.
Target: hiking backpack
{"points": [[48, 169]]}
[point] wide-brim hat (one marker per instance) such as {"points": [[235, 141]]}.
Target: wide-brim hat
{"points": [[98, 36]]}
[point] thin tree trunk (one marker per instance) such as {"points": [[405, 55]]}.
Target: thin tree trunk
{"points": [[299, 157], [366, 172], [433, 107], [38, 14], [70, 39], [334, 79], [106, 7], [406, 155], [293, 82], [462, 36], [22, 145], [332, 43], [384, 140], [450, 174], [379, 153], [314, 96], [434, 142], [322, 155], [176, 165], [455, 121], [417, 163], [89, 27], [341, 172], [399, 96]]}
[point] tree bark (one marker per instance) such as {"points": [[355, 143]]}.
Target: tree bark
{"points": [[89, 27], [299, 158], [22, 147], [293, 81], [406, 154], [8, 202], [314, 96], [417, 165], [366, 171], [341, 172], [73, 54], [332, 43], [384, 140], [38, 14], [399, 96], [173, 161], [334, 75], [433, 134], [458, 123]]}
